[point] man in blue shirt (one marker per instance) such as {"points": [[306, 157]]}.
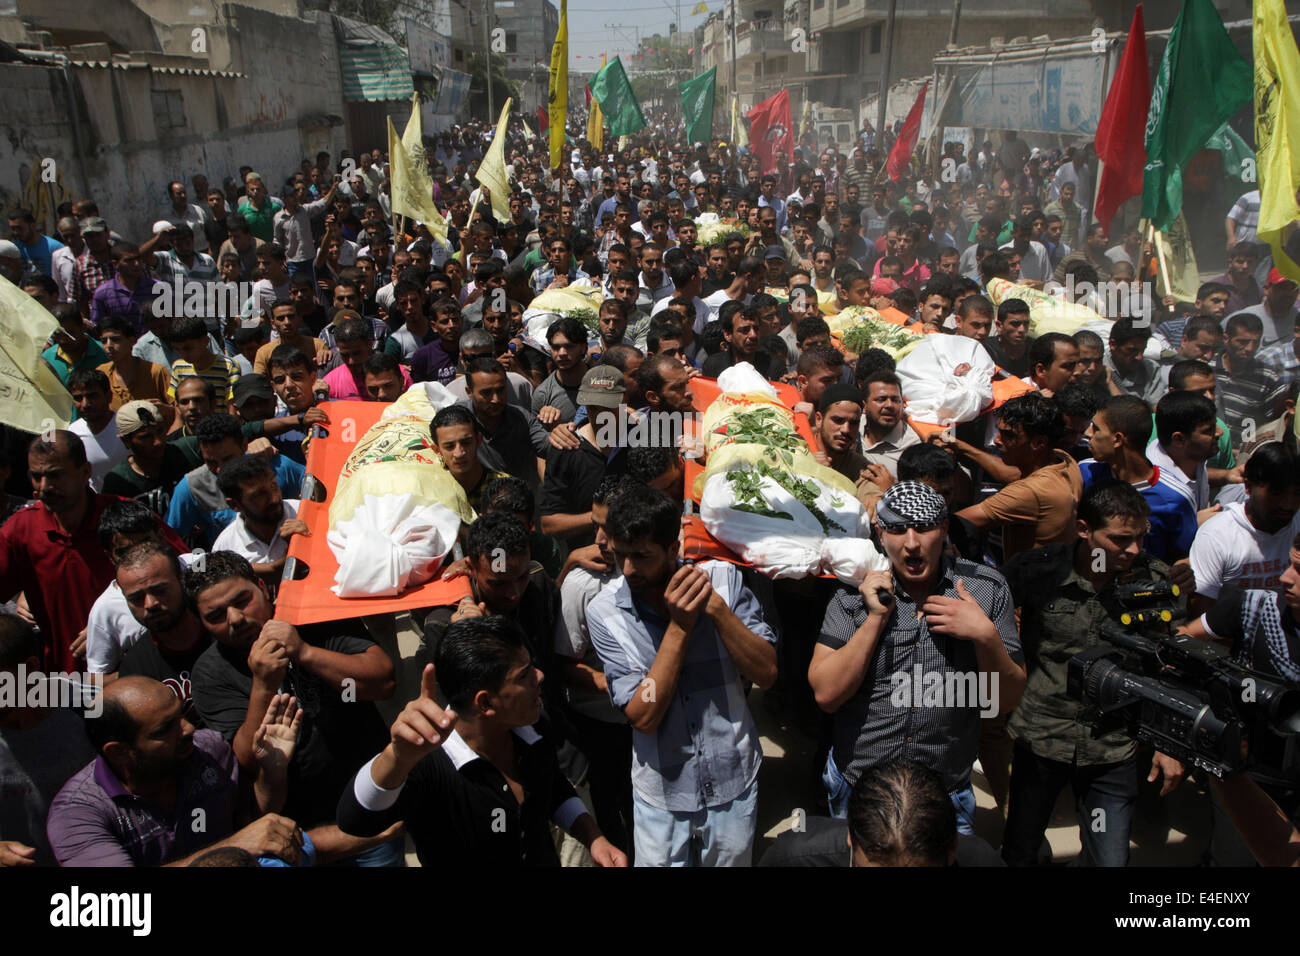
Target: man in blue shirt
{"points": [[1118, 436], [37, 249], [768, 198], [198, 510], [677, 642]]}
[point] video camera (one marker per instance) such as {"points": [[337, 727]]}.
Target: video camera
{"points": [[1182, 695]]}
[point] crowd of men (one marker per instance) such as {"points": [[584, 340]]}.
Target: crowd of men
{"points": [[591, 699]]}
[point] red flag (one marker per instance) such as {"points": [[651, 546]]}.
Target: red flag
{"points": [[901, 154], [543, 121], [587, 91], [769, 130], [1121, 132]]}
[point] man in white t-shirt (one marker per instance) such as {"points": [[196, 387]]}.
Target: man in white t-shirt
{"points": [[1248, 545], [264, 520], [97, 426]]}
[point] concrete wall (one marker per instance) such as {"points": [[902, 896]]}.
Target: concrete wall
{"points": [[293, 75]]}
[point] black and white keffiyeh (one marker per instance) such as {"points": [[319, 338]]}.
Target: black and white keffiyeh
{"points": [[911, 504]]}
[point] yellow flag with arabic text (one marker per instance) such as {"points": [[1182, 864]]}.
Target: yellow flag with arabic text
{"points": [[412, 189], [32, 398], [1277, 129]]}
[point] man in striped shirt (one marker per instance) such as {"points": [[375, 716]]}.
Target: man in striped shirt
{"points": [[1247, 390]]}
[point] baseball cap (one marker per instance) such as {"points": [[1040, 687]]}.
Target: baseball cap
{"points": [[161, 226], [602, 387], [882, 285], [342, 313], [9, 250], [773, 252], [1275, 277], [136, 415], [252, 386], [93, 224]]}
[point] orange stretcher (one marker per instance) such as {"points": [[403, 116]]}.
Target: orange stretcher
{"points": [[697, 543], [305, 596]]}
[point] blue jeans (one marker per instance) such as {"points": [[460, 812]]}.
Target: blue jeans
{"points": [[838, 790], [306, 265], [714, 836], [1105, 796]]}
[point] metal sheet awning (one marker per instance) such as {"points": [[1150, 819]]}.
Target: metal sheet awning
{"points": [[374, 73]]}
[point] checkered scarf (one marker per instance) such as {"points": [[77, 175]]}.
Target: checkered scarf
{"points": [[911, 503]]}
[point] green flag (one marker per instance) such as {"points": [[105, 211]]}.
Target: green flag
{"points": [[611, 89], [1202, 81], [1238, 157], [697, 106]]}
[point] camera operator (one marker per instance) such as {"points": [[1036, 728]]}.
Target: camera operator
{"points": [[950, 620], [1065, 593], [1260, 631]]}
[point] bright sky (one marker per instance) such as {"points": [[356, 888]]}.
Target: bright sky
{"points": [[588, 37]]}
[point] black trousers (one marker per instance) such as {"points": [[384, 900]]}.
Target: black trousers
{"points": [[608, 748]]}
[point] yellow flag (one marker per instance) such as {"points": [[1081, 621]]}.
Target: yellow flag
{"points": [[739, 135], [492, 171], [412, 189], [1177, 272], [32, 398], [596, 120], [558, 101], [1277, 128], [700, 7]]}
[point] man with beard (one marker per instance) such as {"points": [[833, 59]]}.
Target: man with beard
{"points": [[836, 424], [677, 641], [150, 578], [334, 671], [264, 520], [155, 770], [885, 432]]}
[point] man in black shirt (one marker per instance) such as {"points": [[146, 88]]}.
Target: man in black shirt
{"points": [[573, 474], [476, 784], [155, 466], [150, 577], [335, 672], [1010, 347]]}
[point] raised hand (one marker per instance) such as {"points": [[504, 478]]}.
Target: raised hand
{"points": [[422, 726], [277, 737]]}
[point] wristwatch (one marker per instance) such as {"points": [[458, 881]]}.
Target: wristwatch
{"points": [[302, 419]]}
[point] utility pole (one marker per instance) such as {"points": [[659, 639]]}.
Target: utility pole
{"points": [[487, 59], [884, 73], [735, 93]]}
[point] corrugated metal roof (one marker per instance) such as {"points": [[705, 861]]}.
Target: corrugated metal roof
{"points": [[375, 73]]}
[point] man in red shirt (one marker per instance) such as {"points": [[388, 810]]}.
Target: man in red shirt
{"points": [[50, 550]]}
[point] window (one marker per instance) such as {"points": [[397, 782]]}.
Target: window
{"points": [[841, 3], [512, 43], [818, 4], [460, 55], [168, 109], [877, 33]]}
